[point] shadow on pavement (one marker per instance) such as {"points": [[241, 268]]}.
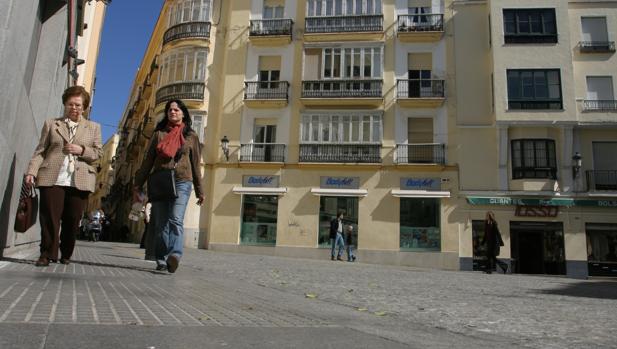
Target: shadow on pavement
{"points": [[600, 290], [97, 264]]}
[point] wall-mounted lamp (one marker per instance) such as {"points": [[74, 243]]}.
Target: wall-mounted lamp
{"points": [[225, 147], [577, 163]]}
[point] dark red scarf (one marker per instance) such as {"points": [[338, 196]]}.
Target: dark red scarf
{"points": [[171, 143]]}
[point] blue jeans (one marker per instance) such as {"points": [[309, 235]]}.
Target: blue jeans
{"points": [[166, 219], [339, 243], [350, 255]]}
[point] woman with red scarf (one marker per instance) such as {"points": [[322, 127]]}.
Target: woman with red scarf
{"points": [[173, 145]]}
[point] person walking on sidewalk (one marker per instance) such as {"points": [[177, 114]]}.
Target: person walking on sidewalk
{"points": [[336, 236], [493, 241], [61, 167], [173, 145]]}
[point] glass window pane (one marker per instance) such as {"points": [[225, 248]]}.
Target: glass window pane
{"points": [[327, 63], [377, 7], [329, 7], [315, 128], [509, 20], [377, 62], [523, 23], [346, 129], [180, 64], [336, 68], [259, 216], [535, 23], [420, 226], [366, 129], [347, 63], [376, 129], [311, 8], [356, 62], [191, 73], [367, 63], [527, 80], [355, 129], [516, 154], [550, 26], [541, 89], [325, 128], [305, 129]]}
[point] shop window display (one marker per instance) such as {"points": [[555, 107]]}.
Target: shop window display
{"points": [[602, 249], [420, 228], [259, 216], [329, 206]]}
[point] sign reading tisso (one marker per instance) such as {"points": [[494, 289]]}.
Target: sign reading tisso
{"points": [[507, 201], [260, 181], [420, 183], [339, 182]]}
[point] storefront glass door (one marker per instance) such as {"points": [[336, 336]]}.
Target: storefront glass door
{"points": [[329, 206], [537, 248]]}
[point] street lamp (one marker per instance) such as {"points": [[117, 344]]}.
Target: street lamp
{"points": [[577, 163], [225, 147]]}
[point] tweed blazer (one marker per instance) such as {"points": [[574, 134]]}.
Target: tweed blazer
{"points": [[48, 157]]}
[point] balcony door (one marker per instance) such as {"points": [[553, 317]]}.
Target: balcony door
{"points": [[594, 29], [600, 88], [419, 74], [420, 139], [604, 174], [263, 137]]}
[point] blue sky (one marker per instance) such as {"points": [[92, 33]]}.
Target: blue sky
{"points": [[126, 31]]}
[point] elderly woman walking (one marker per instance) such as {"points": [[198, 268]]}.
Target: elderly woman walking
{"points": [[175, 146], [61, 167]]}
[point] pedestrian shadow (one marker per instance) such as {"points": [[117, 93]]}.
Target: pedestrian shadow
{"points": [[599, 290], [95, 264]]}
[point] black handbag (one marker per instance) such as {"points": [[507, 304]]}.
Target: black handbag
{"points": [[162, 185], [27, 210]]}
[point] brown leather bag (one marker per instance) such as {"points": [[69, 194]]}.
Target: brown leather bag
{"points": [[25, 217]]}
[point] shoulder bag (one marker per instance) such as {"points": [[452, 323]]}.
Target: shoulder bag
{"points": [[162, 183]]}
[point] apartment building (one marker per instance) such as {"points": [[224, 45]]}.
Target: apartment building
{"points": [[412, 117], [104, 176], [537, 146]]}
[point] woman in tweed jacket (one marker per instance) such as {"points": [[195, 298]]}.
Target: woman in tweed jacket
{"points": [[61, 167]]}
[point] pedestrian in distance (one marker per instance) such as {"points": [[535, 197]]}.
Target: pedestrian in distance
{"points": [[336, 236], [61, 167], [493, 242], [174, 145], [350, 242]]}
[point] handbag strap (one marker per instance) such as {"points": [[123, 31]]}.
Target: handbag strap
{"points": [[26, 191]]}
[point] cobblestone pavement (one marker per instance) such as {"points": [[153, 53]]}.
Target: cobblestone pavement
{"points": [[383, 306]]}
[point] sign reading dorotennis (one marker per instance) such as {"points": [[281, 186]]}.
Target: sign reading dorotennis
{"points": [[508, 201]]}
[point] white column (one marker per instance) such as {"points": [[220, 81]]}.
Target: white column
{"points": [[502, 140]]}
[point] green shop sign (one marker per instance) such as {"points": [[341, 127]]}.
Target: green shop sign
{"points": [[506, 201]]}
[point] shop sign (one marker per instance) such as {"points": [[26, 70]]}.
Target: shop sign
{"points": [[339, 182], [536, 211], [420, 183], [507, 201], [260, 181]]}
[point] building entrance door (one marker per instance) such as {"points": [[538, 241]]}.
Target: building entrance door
{"points": [[329, 206], [537, 248]]}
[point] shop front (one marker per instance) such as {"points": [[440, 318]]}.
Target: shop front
{"points": [[259, 215], [601, 249], [537, 248]]}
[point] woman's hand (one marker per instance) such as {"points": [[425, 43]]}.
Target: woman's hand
{"points": [[29, 179], [200, 200], [70, 148]]}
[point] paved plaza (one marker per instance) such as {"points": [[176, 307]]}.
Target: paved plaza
{"points": [[111, 298]]}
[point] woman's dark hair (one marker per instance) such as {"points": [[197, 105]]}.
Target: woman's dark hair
{"points": [[77, 91], [186, 118]]}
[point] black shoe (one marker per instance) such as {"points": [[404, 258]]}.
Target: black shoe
{"points": [[172, 263], [161, 267], [42, 262], [332, 258], [65, 261]]}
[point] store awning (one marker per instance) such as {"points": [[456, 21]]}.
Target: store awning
{"points": [[399, 193], [259, 190], [339, 192]]}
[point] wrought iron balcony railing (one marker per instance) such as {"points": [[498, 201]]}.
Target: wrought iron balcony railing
{"points": [[417, 88], [425, 153], [599, 105], [342, 88], [262, 152], [602, 180], [266, 90], [188, 30], [270, 27], [180, 90], [344, 24], [360, 153], [426, 22], [596, 46]]}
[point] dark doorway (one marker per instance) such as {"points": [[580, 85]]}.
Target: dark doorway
{"points": [[537, 248]]}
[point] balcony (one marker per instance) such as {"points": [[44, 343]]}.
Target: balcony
{"points": [[425, 153], [270, 32], [420, 93], [420, 27], [602, 180], [596, 46], [266, 94], [188, 30], [345, 153], [262, 152], [181, 90], [599, 105], [337, 28], [342, 92]]}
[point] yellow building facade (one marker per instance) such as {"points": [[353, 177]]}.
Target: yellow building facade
{"points": [[104, 176], [402, 114]]}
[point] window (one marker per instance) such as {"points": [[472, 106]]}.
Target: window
{"points": [[183, 66], [345, 128], [349, 63], [272, 12], [534, 158], [199, 124], [259, 216], [601, 248], [594, 29], [534, 89], [419, 230], [523, 26], [317, 8], [189, 11], [329, 206]]}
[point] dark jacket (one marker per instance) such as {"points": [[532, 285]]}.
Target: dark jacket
{"points": [[349, 238], [492, 239], [187, 168], [334, 227]]}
